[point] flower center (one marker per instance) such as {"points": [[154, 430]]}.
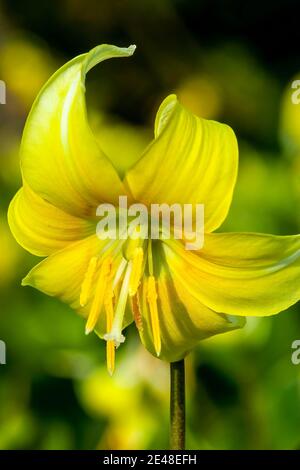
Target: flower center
{"points": [[115, 282]]}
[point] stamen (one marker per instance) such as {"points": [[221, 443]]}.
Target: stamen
{"points": [[150, 259], [88, 281], [110, 346], [137, 312], [137, 267], [116, 331], [152, 301], [100, 291]]}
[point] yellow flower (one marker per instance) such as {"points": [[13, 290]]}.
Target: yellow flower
{"points": [[176, 297]]}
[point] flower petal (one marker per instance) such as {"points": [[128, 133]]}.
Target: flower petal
{"points": [[60, 158], [40, 227], [191, 160], [183, 319], [242, 273], [62, 274]]}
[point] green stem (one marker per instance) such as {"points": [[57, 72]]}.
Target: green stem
{"points": [[177, 405]]}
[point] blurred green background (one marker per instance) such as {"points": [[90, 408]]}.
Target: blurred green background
{"points": [[227, 60]]}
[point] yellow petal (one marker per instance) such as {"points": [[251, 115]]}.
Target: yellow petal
{"points": [[183, 320], [191, 160], [240, 274], [41, 228], [60, 158]]}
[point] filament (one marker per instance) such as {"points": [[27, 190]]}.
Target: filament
{"points": [[137, 268]]}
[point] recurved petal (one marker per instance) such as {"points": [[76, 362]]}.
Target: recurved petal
{"points": [[60, 158], [183, 319], [42, 228], [191, 160], [240, 273], [62, 274]]}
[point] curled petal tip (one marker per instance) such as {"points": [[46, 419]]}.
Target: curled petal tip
{"points": [[24, 282]]}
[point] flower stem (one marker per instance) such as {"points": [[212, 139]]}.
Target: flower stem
{"points": [[177, 405]]}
